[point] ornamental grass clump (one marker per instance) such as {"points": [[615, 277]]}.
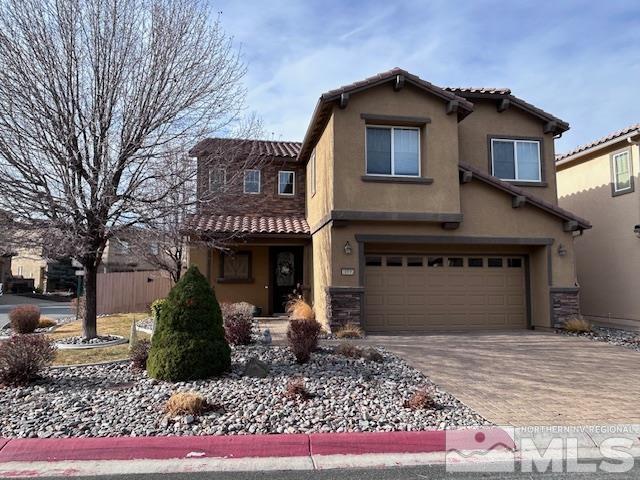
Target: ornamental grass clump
{"points": [[24, 318], [186, 403], [23, 357], [139, 353], [189, 342], [577, 325], [348, 350], [349, 330]]}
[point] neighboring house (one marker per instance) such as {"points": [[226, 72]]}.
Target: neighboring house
{"points": [[120, 256], [600, 180], [392, 213], [48, 274]]}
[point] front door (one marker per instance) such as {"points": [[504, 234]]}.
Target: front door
{"points": [[286, 275]]}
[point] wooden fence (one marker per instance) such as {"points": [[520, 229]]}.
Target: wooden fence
{"points": [[123, 292]]}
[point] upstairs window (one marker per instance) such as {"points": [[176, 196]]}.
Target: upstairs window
{"points": [[516, 160], [286, 183], [252, 181], [621, 165], [217, 179], [393, 151]]}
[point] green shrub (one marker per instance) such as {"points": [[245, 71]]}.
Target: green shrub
{"points": [[189, 343], [156, 308]]}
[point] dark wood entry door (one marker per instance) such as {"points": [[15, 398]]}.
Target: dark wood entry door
{"points": [[286, 273]]}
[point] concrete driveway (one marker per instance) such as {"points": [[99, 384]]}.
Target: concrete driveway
{"points": [[529, 378], [47, 308]]}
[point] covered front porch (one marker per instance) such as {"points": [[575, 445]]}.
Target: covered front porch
{"points": [[264, 261]]}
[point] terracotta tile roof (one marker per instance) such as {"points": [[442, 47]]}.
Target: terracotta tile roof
{"points": [[531, 199], [612, 136], [492, 92], [246, 224], [273, 148]]}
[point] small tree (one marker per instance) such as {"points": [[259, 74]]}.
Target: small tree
{"points": [[188, 342]]}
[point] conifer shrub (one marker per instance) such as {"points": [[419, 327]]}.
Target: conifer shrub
{"points": [[189, 342]]}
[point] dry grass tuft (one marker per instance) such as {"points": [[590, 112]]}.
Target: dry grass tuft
{"points": [[298, 309], [296, 389], [349, 330], [46, 322], [577, 325], [420, 400], [186, 403]]}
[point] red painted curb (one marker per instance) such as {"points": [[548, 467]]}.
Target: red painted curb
{"points": [[245, 446], [155, 448]]}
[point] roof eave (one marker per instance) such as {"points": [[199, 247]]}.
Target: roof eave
{"points": [[596, 148]]}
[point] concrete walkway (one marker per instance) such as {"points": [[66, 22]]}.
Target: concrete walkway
{"points": [[529, 378]]}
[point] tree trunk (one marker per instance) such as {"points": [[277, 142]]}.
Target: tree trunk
{"points": [[89, 326]]}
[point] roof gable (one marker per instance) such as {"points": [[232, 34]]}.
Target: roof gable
{"points": [[615, 137]]}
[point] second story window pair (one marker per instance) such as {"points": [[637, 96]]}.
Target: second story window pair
{"points": [[393, 151], [516, 160]]}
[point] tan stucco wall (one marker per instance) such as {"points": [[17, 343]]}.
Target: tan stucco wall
{"points": [[30, 263], [608, 255], [320, 204], [322, 264], [486, 120], [487, 212], [254, 293], [439, 154]]}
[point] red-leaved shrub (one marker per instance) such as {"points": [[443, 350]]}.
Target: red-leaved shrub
{"points": [[420, 400], [296, 389], [237, 329], [24, 318], [139, 354], [23, 357], [302, 335]]}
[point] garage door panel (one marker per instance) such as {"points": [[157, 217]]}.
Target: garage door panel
{"points": [[441, 298]]}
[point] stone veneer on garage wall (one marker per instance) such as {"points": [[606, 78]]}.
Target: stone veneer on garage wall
{"points": [[565, 303], [344, 305]]}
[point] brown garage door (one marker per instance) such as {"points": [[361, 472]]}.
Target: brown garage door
{"points": [[444, 292]]}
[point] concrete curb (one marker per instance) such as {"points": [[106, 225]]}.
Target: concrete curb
{"points": [[237, 446]]}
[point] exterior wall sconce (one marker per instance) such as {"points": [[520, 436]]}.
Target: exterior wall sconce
{"points": [[561, 250], [347, 248]]}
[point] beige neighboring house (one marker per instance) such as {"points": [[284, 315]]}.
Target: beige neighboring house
{"points": [[600, 180], [406, 208], [119, 256], [48, 274]]}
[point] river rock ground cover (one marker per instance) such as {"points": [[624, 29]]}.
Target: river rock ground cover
{"points": [[347, 395]]}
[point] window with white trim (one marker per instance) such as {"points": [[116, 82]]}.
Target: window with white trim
{"points": [[217, 178], [621, 171], [286, 182], [252, 181], [516, 160], [393, 151]]}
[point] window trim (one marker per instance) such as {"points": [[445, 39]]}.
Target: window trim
{"points": [[244, 181], [513, 139], [392, 175], [224, 177], [293, 183], [313, 173], [612, 156], [222, 279]]}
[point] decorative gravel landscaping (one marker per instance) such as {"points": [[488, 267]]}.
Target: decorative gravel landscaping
{"points": [[614, 336], [347, 394]]}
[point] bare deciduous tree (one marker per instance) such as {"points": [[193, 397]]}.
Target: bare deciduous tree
{"points": [[92, 94]]}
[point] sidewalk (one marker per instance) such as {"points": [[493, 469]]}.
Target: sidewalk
{"points": [[131, 455]]}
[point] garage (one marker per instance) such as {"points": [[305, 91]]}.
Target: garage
{"points": [[451, 292]]}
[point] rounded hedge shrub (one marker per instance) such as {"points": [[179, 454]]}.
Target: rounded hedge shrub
{"points": [[188, 342], [24, 318]]}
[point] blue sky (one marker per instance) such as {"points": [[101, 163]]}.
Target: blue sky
{"points": [[579, 60]]}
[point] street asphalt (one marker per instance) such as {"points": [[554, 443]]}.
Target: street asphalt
{"points": [[399, 473], [47, 308]]}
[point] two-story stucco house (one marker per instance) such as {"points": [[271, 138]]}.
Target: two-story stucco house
{"points": [[600, 180], [407, 207]]}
